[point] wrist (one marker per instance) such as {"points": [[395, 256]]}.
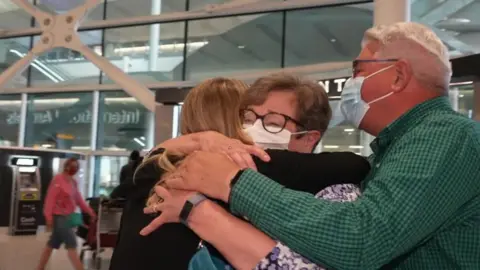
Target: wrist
{"points": [[233, 179], [190, 204], [207, 220]]}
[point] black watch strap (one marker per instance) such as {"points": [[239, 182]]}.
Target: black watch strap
{"points": [[193, 201]]}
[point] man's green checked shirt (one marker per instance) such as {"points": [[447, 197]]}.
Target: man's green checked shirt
{"points": [[420, 207]]}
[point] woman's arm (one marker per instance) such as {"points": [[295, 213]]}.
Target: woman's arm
{"points": [[242, 244], [82, 204], [313, 172], [211, 141], [50, 199]]}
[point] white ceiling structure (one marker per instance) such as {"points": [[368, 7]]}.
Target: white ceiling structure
{"points": [[253, 42]]}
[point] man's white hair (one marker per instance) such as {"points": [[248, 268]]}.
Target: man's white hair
{"points": [[418, 45]]}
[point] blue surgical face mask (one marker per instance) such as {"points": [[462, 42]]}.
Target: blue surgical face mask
{"points": [[352, 108]]}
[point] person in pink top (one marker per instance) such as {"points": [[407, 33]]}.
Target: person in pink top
{"points": [[62, 198]]}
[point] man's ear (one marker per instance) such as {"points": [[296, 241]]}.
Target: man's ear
{"points": [[404, 75]]}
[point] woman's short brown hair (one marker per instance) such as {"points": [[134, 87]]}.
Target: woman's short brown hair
{"points": [[313, 108]]}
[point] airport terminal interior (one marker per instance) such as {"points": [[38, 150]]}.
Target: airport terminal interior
{"points": [[90, 91]]}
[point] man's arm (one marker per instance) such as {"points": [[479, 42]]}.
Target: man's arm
{"points": [[412, 195]]}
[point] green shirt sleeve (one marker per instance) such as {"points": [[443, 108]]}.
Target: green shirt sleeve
{"points": [[413, 193]]}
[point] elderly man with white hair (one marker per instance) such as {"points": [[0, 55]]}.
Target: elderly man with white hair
{"points": [[420, 207]]}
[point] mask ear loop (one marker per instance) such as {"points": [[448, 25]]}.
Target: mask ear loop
{"points": [[375, 73], [378, 71]]}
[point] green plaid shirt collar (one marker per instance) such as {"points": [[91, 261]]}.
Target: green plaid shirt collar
{"points": [[408, 121]]}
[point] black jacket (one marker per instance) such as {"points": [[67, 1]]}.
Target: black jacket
{"points": [[171, 246], [126, 186]]}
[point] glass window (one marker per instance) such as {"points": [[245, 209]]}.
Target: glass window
{"points": [[123, 123], [10, 107], [63, 66], [149, 53], [63, 6], [13, 17], [328, 34], [127, 8], [107, 173], [199, 4], [219, 47], [341, 138], [12, 50], [456, 23], [462, 99], [59, 120]]}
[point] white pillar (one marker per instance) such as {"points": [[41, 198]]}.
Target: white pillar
{"points": [[391, 11], [154, 37], [126, 64], [150, 136], [453, 96], [385, 12], [154, 42]]}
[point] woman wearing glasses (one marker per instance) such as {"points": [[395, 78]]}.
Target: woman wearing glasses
{"points": [[213, 106]]}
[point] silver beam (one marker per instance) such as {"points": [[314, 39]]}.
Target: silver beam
{"points": [[210, 11], [61, 31], [315, 72], [23, 120]]}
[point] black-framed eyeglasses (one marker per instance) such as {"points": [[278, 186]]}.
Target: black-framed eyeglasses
{"points": [[272, 122], [356, 62]]}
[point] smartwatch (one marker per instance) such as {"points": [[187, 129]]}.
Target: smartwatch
{"points": [[193, 201]]}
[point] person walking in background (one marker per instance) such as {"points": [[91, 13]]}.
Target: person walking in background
{"points": [[126, 176], [127, 171], [62, 198]]}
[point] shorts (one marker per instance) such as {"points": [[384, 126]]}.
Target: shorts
{"points": [[62, 234]]}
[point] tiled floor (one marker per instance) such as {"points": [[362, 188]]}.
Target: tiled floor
{"points": [[23, 253]]}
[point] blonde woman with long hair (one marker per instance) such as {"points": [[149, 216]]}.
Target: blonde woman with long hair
{"points": [[213, 105]]}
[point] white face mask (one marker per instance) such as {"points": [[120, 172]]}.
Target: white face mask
{"points": [[352, 107], [267, 140]]}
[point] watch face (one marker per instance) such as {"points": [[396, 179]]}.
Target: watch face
{"points": [[187, 208]]}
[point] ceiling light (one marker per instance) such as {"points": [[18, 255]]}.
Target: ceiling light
{"points": [[349, 130], [333, 40], [241, 47], [461, 83], [355, 147], [331, 146], [461, 20], [161, 47], [139, 142], [460, 96]]}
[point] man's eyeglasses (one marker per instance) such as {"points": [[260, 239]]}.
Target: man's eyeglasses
{"points": [[272, 122], [355, 64]]}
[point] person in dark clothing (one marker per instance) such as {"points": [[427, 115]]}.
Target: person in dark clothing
{"points": [[126, 176], [173, 245], [128, 169]]}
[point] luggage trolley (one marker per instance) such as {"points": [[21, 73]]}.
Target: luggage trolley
{"points": [[101, 233]]}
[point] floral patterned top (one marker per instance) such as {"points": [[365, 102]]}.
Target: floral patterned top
{"points": [[281, 257]]}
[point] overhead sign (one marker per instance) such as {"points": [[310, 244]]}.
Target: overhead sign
{"points": [[333, 87], [24, 161], [121, 117]]}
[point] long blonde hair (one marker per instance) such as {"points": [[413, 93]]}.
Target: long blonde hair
{"points": [[213, 105]]}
